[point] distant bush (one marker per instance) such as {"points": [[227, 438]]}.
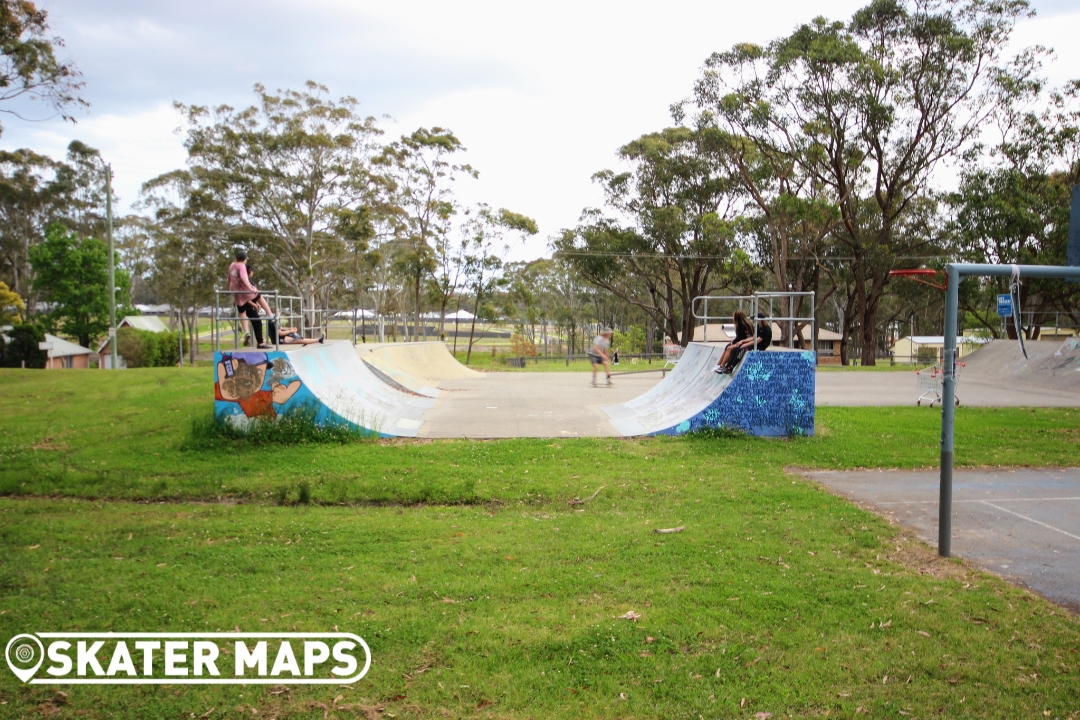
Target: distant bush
{"points": [[142, 348], [520, 347], [632, 341], [22, 346]]}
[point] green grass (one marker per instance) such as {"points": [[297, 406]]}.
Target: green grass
{"points": [[484, 593]]}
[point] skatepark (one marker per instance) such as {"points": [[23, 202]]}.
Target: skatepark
{"points": [[420, 390]]}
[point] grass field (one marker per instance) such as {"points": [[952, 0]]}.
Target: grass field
{"points": [[484, 593]]}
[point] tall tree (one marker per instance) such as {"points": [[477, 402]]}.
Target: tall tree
{"points": [[287, 167], [190, 231], [73, 274], [873, 106], [419, 174], [673, 239], [487, 237], [29, 68]]}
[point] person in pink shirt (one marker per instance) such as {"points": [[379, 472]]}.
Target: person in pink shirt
{"points": [[247, 297]]}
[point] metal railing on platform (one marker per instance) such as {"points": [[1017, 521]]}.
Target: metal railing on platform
{"points": [[759, 303], [286, 308]]}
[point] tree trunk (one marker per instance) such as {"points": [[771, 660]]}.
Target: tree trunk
{"points": [[472, 329]]}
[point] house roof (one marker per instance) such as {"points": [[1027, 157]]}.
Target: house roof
{"points": [[58, 347], [143, 322], [138, 322]]}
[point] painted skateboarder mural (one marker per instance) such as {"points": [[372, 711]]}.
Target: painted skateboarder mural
{"points": [[255, 382]]}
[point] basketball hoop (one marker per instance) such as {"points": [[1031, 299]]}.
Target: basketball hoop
{"points": [[923, 272]]}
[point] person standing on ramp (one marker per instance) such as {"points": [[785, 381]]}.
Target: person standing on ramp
{"points": [[599, 354]]}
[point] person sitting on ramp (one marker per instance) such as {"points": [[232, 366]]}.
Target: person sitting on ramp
{"points": [[599, 354], [735, 351], [291, 336]]}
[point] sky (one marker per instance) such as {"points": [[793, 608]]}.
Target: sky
{"points": [[541, 94]]}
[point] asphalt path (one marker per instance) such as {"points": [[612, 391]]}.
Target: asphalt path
{"points": [[1022, 524]]}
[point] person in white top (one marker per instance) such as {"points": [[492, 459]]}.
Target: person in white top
{"points": [[600, 354]]}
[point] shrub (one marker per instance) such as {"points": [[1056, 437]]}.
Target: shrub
{"points": [[632, 341], [142, 348], [520, 347], [168, 349], [23, 346]]}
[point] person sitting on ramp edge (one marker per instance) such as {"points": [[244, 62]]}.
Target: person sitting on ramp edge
{"points": [[291, 336], [738, 348], [598, 354], [734, 351]]}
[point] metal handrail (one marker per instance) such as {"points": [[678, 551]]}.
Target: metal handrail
{"points": [[279, 315], [756, 301]]}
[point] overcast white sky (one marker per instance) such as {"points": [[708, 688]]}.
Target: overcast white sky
{"points": [[541, 94]]}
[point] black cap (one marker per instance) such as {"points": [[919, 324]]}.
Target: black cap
{"points": [[241, 254], [761, 316]]}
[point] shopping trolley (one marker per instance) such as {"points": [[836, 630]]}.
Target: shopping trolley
{"points": [[930, 380], [672, 353]]}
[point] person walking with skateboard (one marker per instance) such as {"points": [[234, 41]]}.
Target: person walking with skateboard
{"points": [[600, 354]]}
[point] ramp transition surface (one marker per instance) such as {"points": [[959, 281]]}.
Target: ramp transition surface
{"points": [[771, 393], [1050, 365]]}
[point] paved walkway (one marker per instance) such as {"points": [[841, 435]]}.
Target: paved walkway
{"points": [[1021, 524]]}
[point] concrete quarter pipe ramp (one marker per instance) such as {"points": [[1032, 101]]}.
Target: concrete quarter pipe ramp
{"points": [[330, 378], [771, 394]]}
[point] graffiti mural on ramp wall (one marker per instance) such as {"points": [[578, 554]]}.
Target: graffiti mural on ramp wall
{"points": [[772, 394], [251, 385]]}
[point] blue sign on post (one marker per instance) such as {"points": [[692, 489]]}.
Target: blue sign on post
{"points": [[1005, 306]]}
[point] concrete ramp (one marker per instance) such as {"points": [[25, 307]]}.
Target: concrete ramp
{"points": [[330, 379], [417, 366], [688, 389], [771, 393], [1050, 365]]}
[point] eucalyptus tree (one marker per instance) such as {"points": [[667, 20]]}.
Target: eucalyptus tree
{"points": [[419, 174], [287, 167], [1013, 204], [28, 197], [673, 235], [869, 109], [29, 68], [189, 232], [487, 236]]}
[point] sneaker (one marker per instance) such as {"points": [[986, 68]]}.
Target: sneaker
{"points": [[247, 339], [321, 339], [718, 369], [593, 383]]}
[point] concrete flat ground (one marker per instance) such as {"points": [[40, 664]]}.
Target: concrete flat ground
{"points": [[1021, 524], [857, 388], [557, 404]]}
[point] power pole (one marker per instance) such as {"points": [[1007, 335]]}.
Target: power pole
{"points": [[112, 271]]}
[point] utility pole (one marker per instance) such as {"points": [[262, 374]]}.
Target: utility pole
{"points": [[112, 270]]}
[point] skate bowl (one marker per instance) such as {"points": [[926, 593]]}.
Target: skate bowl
{"points": [[330, 380], [1050, 365], [770, 394]]}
